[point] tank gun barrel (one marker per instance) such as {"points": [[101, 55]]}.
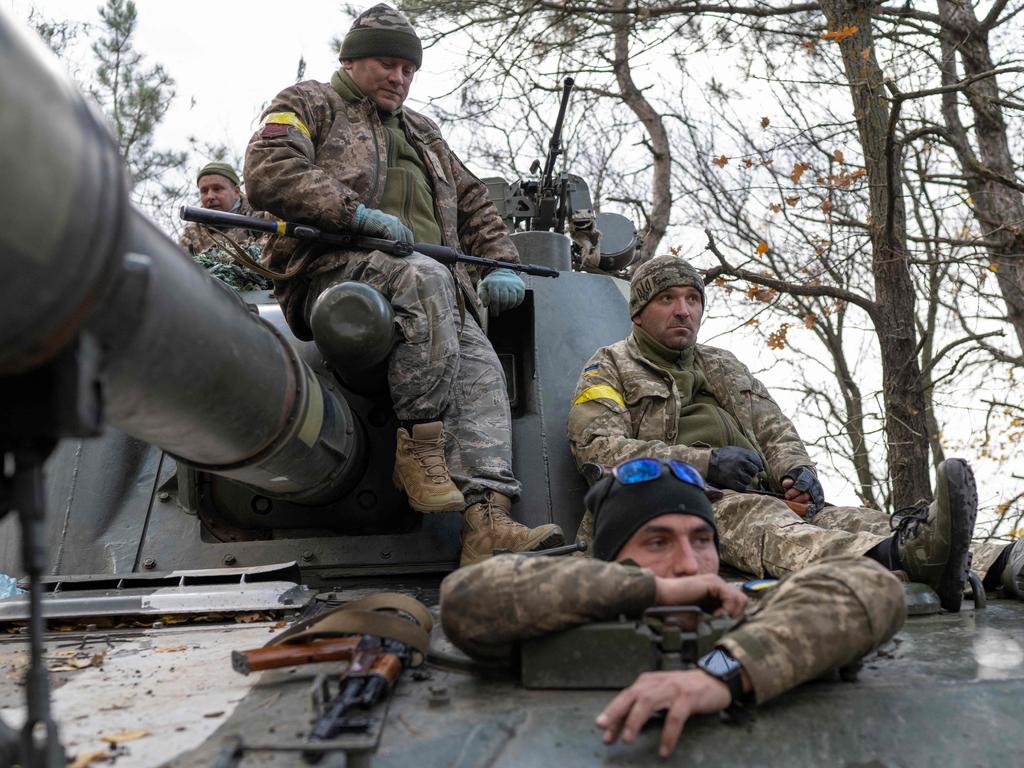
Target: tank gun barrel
{"points": [[183, 363]]}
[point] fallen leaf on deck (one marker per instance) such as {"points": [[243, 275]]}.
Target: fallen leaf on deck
{"points": [[170, 648]]}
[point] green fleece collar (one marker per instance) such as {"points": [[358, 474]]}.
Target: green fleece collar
{"points": [[659, 354], [345, 87]]}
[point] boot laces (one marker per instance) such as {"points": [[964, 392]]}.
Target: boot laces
{"points": [[429, 454], [493, 514], [907, 521]]}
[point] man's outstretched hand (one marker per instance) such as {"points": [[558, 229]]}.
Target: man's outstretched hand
{"points": [[691, 590], [680, 694]]}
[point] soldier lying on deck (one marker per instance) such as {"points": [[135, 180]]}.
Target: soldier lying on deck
{"points": [[656, 543]]}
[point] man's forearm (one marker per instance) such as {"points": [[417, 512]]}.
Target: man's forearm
{"points": [[509, 598], [823, 617]]}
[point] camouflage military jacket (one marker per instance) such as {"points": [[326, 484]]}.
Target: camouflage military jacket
{"points": [[625, 406], [818, 619], [322, 156], [196, 240]]}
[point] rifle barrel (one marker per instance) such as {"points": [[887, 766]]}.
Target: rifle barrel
{"points": [[443, 253]]}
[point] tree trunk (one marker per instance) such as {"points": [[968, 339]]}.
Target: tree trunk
{"points": [[661, 150], [905, 425], [998, 207]]}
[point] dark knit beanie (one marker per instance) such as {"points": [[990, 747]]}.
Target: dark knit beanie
{"points": [[220, 169], [382, 31], [654, 276], [621, 510]]}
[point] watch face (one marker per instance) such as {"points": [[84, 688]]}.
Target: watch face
{"points": [[719, 663]]}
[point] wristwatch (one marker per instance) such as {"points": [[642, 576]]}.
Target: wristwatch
{"points": [[720, 664]]}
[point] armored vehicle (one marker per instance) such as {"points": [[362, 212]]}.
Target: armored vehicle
{"points": [[207, 480]]}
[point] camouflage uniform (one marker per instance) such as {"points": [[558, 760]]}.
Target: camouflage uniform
{"points": [[198, 242], [625, 406], [315, 159], [824, 617]]}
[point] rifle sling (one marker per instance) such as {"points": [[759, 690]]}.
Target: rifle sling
{"points": [[378, 615], [238, 253]]}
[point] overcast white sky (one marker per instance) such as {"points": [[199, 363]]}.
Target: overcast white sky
{"points": [[228, 58]]}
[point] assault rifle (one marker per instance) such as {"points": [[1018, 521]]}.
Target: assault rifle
{"points": [[379, 636], [442, 253]]}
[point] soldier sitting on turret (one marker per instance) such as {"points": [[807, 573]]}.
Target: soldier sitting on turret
{"points": [[655, 542], [659, 393], [346, 155], [220, 190]]}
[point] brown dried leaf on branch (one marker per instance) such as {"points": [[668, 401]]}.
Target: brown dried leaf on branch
{"points": [[792, 200], [809, 320], [777, 339], [774, 207], [765, 122], [721, 161], [747, 162], [838, 35], [798, 171], [762, 248], [761, 293], [838, 156]]}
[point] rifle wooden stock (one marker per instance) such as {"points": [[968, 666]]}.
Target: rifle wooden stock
{"points": [[289, 655]]}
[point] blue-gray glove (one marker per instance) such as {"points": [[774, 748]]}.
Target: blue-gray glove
{"points": [[501, 291], [806, 481], [376, 223], [733, 467]]}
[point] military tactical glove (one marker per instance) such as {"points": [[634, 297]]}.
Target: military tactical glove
{"points": [[376, 223], [733, 467], [806, 481], [501, 291]]}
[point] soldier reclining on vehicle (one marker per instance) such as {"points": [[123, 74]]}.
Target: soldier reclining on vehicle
{"points": [[655, 514]]}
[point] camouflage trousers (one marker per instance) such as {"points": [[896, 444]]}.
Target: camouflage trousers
{"points": [[761, 535], [440, 370]]}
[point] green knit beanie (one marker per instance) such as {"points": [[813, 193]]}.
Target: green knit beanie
{"points": [[658, 274], [221, 169], [382, 31]]}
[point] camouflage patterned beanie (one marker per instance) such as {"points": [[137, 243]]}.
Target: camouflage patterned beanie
{"points": [[382, 31], [220, 169], [660, 273]]}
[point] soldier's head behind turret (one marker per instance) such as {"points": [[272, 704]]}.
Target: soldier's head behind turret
{"points": [[219, 188], [656, 513]]}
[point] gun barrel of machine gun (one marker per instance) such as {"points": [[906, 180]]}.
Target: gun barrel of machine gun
{"points": [[441, 253], [555, 144]]}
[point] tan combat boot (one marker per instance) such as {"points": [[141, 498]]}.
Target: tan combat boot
{"points": [[486, 526], [421, 471]]}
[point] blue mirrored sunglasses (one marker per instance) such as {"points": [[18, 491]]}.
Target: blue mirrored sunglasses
{"points": [[644, 470]]}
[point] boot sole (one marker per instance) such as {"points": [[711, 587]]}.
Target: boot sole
{"points": [[553, 539], [962, 497]]}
